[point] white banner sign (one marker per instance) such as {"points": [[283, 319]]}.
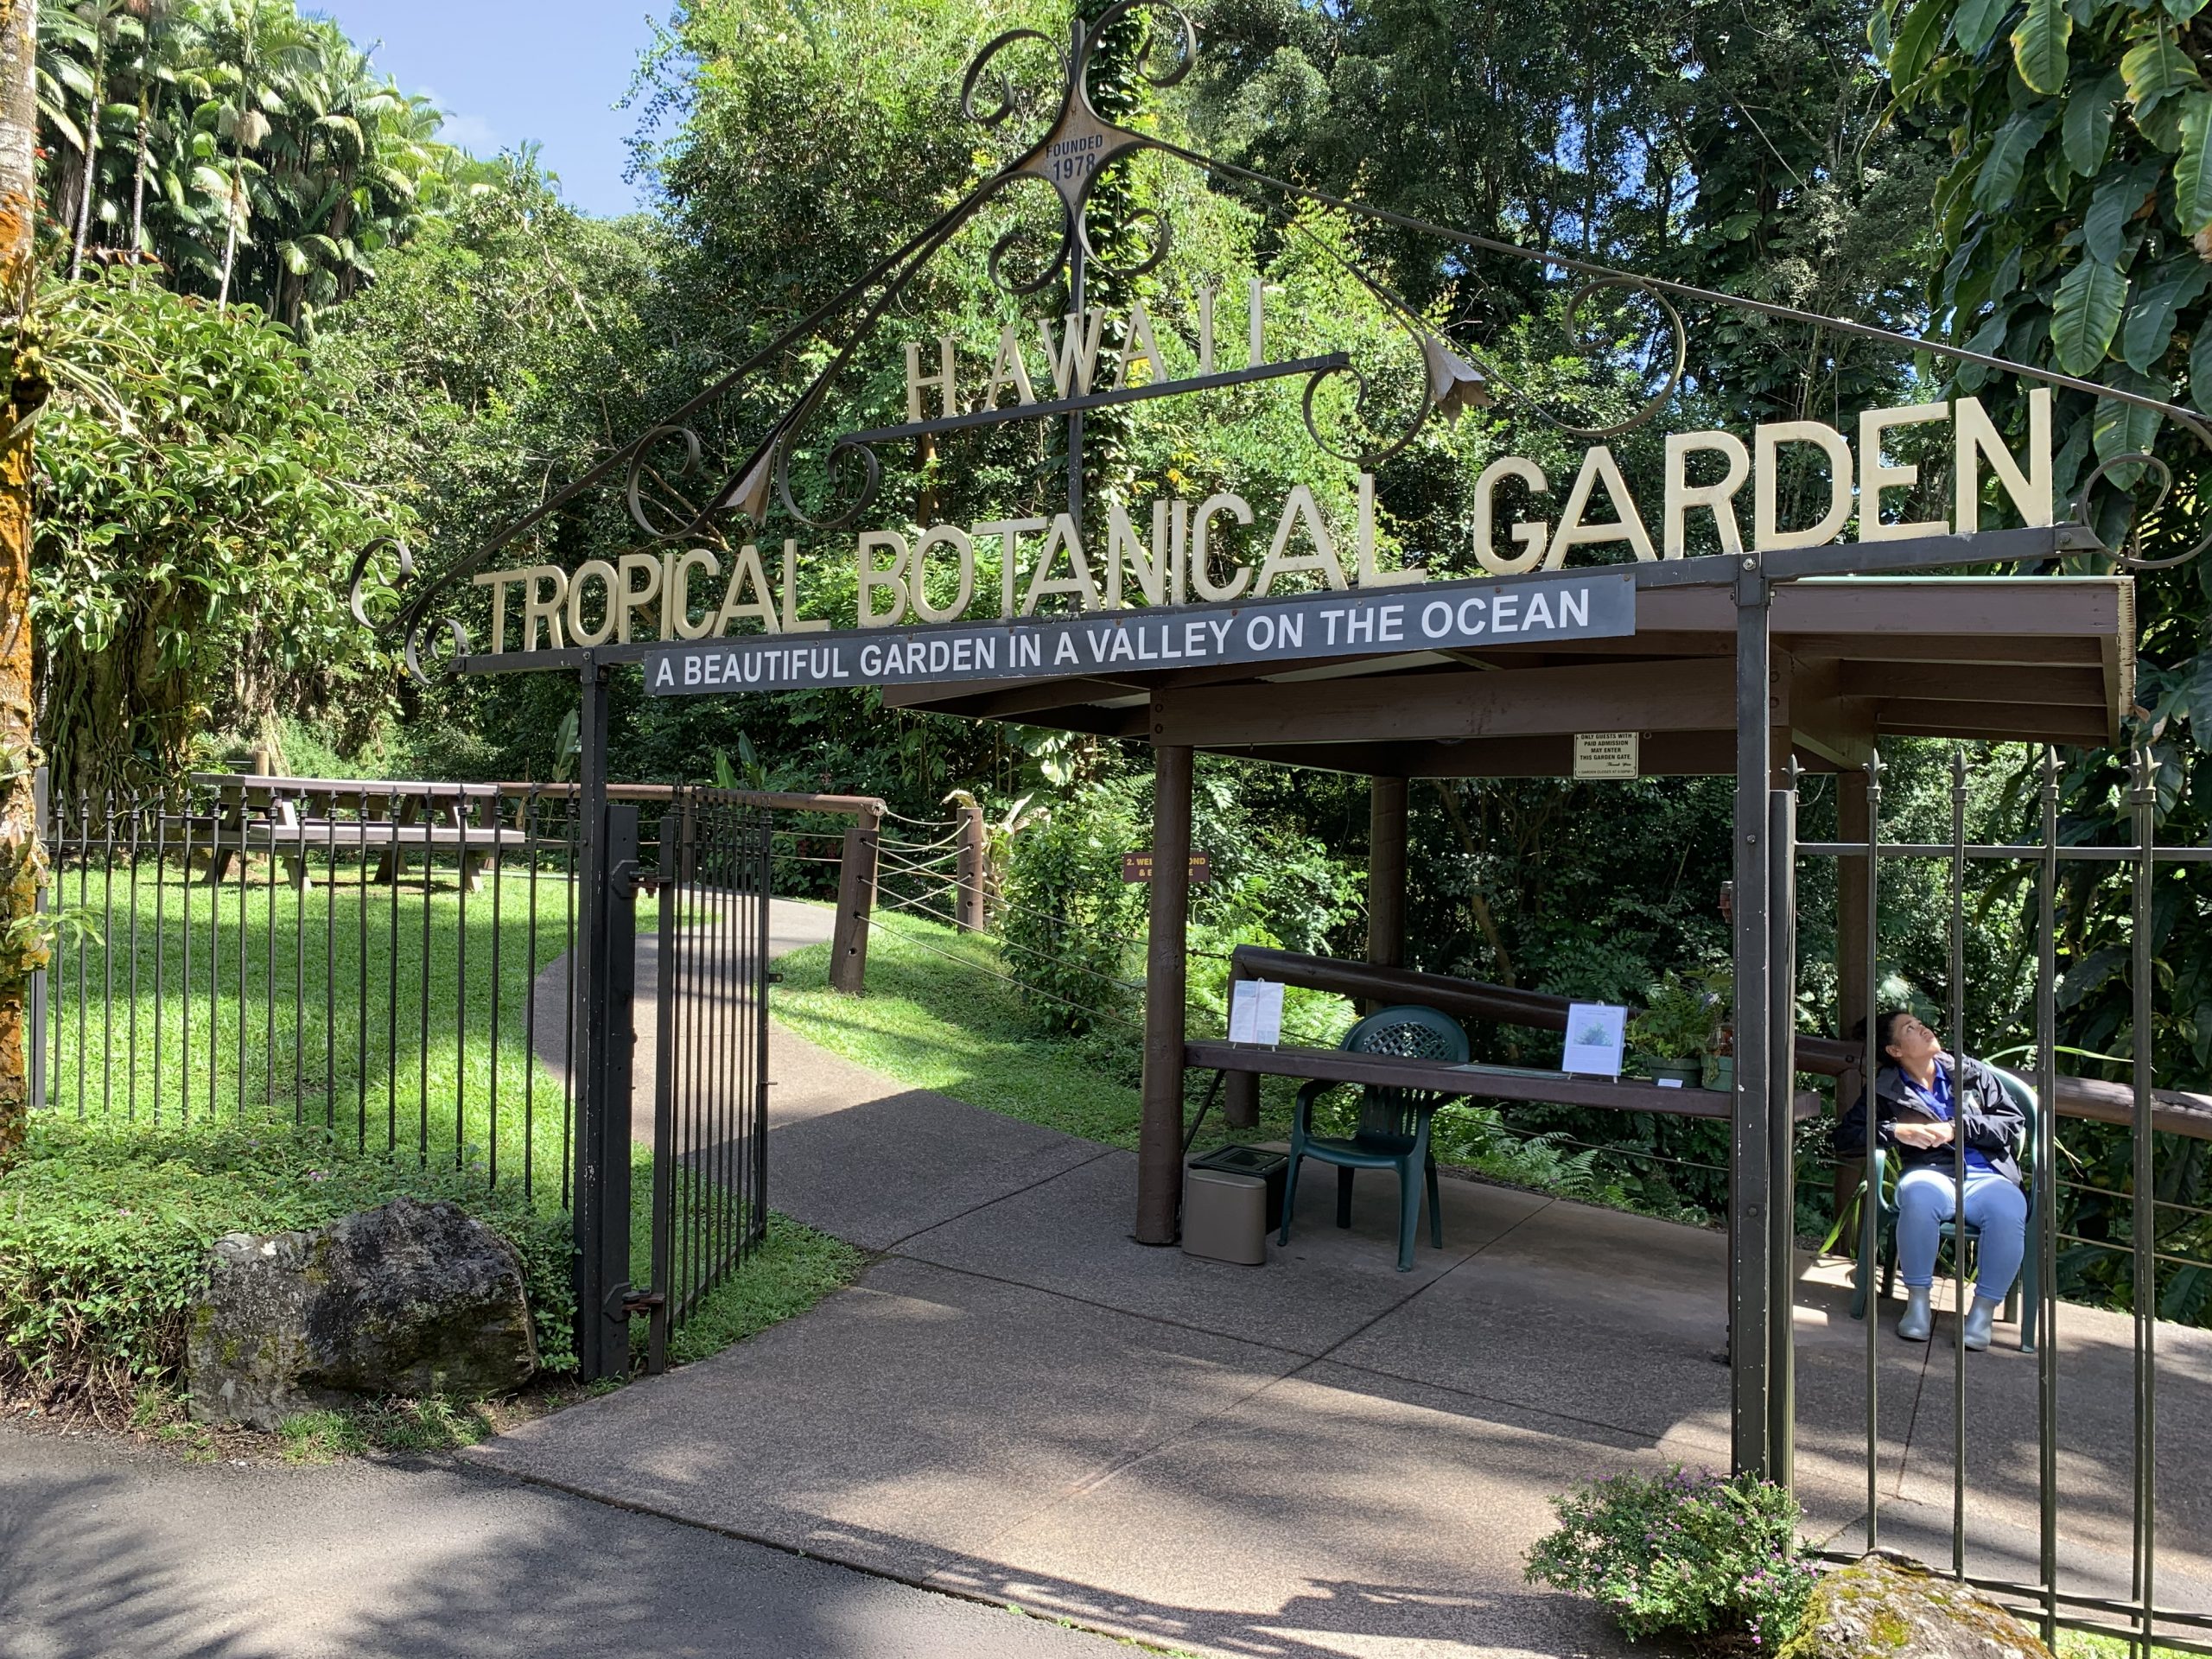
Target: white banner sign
{"points": [[1440, 616]]}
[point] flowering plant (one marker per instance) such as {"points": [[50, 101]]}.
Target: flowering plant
{"points": [[1703, 1556]]}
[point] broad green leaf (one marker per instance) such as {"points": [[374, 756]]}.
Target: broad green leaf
{"points": [[1976, 23], [2125, 429], [2156, 69], [2200, 371], [1917, 42], [2000, 178], [2150, 326], [2193, 167], [2085, 129], [2039, 45], [2119, 197], [2183, 10], [2087, 314]]}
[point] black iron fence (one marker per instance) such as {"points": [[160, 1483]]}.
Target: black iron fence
{"points": [[409, 967], [1958, 1455], [369, 958]]}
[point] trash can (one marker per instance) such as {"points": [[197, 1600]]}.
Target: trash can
{"points": [[1224, 1215], [1264, 1162]]}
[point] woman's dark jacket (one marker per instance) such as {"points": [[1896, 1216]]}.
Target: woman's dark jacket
{"points": [[1988, 1120]]}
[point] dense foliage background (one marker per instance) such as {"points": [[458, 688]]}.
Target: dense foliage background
{"points": [[287, 319]]}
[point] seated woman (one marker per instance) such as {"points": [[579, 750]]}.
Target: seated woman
{"points": [[1918, 1119]]}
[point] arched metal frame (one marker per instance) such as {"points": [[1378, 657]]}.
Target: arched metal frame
{"points": [[1070, 157]]}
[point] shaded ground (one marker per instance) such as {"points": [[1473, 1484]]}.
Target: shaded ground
{"points": [[105, 1552], [1317, 1457]]}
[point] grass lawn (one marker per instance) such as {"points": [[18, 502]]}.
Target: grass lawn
{"points": [[937, 1016], [396, 1016]]}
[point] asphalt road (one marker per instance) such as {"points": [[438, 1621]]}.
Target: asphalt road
{"points": [[107, 1551]]}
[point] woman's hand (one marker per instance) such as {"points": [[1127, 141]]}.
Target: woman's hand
{"points": [[1925, 1135]]}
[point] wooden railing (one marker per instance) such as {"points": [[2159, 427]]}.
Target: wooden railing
{"points": [[2173, 1110]]}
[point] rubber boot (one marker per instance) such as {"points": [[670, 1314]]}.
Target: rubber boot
{"points": [[1918, 1318], [1978, 1322]]}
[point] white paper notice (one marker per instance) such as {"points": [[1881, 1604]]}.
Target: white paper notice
{"points": [[1595, 1033], [1256, 1011]]}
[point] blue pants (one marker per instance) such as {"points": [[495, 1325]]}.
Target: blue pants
{"points": [[1999, 1208]]}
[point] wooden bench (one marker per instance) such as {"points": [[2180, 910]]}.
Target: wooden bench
{"points": [[290, 817]]}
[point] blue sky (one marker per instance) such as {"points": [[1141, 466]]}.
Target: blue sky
{"points": [[508, 71]]}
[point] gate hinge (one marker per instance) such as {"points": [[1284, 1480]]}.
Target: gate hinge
{"points": [[643, 1302]]}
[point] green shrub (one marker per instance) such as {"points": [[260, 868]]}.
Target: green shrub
{"points": [[105, 1236], [1702, 1556]]}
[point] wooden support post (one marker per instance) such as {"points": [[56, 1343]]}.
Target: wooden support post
{"points": [[855, 905], [1240, 1091], [970, 907], [1386, 873], [1159, 1144]]}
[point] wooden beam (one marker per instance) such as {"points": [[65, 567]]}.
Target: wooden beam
{"points": [[1697, 695], [2082, 687], [2033, 651], [1024, 697], [1914, 717], [1386, 872]]}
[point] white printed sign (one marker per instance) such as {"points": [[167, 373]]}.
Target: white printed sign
{"points": [[1596, 1034], [1256, 1011], [1606, 754]]}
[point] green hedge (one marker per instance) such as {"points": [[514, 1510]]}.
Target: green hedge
{"points": [[104, 1237]]}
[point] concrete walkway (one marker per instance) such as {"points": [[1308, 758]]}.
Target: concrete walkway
{"points": [[106, 1553], [1318, 1457]]}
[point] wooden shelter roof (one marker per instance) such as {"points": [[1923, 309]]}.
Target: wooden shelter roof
{"points": [[2041, 658]]}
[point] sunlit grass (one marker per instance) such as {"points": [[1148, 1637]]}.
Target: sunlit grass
{"points": [[397, 1014]]}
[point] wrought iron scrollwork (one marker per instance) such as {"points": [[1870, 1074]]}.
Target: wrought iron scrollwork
{"points": [[2130, 558], [1184, 32], [1011, 100], [641, 469]]}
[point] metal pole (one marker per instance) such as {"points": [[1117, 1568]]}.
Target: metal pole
{"points": [[1870, 1251], [34, 1002], [1960, 1295], [1782, 1231], [2045, 1243], [1750, 1264], [2142, 1214], [601, 1211], [1160, 1137]]}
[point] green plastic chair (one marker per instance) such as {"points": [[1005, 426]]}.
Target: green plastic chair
{"points": [[1393, 1131], [2021, 1302]]}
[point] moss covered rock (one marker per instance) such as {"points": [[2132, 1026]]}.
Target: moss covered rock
{"points": [[1888, 1604], [408, 1299]]}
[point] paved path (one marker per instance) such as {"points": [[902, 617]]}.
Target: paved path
{"points": [[1320, 1457], [106, 1553]]}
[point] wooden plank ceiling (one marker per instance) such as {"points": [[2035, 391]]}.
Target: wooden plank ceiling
{"points": [[2038, 658]]}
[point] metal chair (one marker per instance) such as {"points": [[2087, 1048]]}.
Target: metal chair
{"points": [[2021, 1302], [1393, 1131]]}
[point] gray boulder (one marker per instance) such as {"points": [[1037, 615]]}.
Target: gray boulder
{"points": [[410, 1299], [1887, 1604]]}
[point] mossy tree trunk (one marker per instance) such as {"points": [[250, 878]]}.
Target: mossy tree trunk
{"points": [[22, 864]]}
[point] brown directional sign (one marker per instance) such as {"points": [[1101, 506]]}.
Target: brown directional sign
{"points": [[1137, 866]]}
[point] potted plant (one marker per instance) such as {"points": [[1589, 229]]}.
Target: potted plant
{"points": [[1676, 1028], [1719, 981]]}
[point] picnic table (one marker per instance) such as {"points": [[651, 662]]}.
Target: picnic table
{"points": [[290, 817]]}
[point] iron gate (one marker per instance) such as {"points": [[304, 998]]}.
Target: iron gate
{"points": [[710, 1074], [697, 992]]}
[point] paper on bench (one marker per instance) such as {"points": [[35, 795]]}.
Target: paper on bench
{"points": [[1256, 1011]]}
